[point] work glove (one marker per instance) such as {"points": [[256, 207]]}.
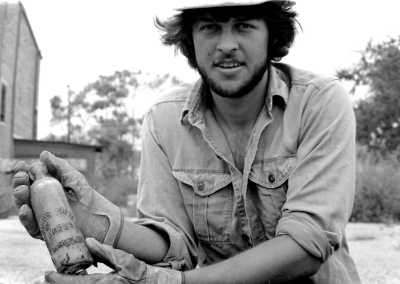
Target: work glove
{"points": [[96, 216], [128, 270]]}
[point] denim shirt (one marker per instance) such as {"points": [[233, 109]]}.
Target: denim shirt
{"points": [[298, 177]]}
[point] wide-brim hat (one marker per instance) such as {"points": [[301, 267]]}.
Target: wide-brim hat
{"points": [[202, 4]]}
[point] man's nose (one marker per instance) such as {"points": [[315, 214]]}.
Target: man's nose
{"points": [[227, 42]]}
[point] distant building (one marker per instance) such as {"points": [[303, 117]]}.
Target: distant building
{"points": [[19, 80], [81, 157]]}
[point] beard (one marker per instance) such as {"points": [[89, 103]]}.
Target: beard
{"points": [[243, 89]]}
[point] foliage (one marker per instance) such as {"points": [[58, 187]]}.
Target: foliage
{"points": [[119, 190], [377, 197], [114, 127], [378, 115], [116, 189], [69, 113], [102, 114]]}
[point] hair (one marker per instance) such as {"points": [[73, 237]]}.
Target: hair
{"points": [[278, 15]]}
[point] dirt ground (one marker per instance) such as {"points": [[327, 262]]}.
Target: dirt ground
{"points": [[23, 260], [375, 249]]}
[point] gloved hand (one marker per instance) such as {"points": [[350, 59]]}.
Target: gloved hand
{"points": [[95, 215], [128, 269]]}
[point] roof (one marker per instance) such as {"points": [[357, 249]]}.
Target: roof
{"points": [[97, 148]]}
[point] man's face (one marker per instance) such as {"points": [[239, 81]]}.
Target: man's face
{"points": [[231, 56]]}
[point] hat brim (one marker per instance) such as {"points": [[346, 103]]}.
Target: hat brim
{"points": [[201, 4]]}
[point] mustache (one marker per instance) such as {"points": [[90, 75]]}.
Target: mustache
{"points": [[228, 59]]}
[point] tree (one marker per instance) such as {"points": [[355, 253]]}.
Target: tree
{"points": [[102, 114], [377, 115], [68, 113]]}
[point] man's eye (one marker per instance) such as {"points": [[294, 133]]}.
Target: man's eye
{"points": [[209, 27], [244, 26]]}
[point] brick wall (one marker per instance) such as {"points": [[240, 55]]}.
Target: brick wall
{"points": [[19, 67], [25, 101], [8, 40]]}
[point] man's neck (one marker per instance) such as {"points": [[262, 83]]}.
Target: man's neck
{"points": [[240, 113]]}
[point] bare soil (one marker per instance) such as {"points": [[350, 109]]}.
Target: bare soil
{"points": [[375, 249], [23, 260]]}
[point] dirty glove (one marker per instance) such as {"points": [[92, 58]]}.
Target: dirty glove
{"points": [[128, 270], [96, 216]]}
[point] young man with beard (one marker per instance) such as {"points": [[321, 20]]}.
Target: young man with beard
{"points": [[248, 172]]}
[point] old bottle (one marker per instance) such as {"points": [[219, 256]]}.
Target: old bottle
{"points": [[57, 223]]}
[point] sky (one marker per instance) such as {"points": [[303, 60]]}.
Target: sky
{"points": [[83, 39]]}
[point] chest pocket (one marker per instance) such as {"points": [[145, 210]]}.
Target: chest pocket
{"points": [[211, 203], [269, 187]]}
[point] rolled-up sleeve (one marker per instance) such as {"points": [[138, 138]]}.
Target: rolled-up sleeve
{"points": [[321, 188], [160, 202]]}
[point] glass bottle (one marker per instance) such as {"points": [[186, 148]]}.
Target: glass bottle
{"points": [[57, 222]]}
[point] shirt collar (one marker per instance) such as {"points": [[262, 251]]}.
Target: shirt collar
{"points": [[278, 83], [195, 103], [195, 106]]}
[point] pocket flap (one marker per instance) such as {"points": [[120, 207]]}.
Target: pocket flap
{"points": [[273, 172], [204, 182]]}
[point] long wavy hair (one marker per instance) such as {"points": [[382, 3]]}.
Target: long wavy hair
{"points": [[278, 15]]}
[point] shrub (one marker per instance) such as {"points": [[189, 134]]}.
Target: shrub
{"points": [[377, 197], [116, 189], [119, 190]]}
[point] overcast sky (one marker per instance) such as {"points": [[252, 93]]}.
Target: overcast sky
{"points": [[82, 39]]}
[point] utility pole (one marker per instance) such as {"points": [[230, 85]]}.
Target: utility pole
{"points": [[69, 114]]}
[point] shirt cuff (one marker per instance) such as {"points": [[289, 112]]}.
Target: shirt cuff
{"points": [[177, 257], [309, 235]]}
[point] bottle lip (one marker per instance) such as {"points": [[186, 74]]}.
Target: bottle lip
{"points": [[37, 170]]}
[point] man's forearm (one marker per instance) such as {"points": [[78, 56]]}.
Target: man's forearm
{"points": [[144, 243], [278, 260]]}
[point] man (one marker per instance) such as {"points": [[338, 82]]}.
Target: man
{"points": [[247, 173]]}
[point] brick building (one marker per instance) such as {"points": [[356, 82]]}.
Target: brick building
{"points": [[19, 74], [20, 58], [19, 84]]}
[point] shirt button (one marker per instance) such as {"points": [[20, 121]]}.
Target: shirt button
{"points": [[201, 186], [245, 237], [271, 178]]}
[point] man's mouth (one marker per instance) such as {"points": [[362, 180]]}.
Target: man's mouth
{"points": [[227, 65]]}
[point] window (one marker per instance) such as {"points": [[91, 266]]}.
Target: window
{"points": [[3, 102]]}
